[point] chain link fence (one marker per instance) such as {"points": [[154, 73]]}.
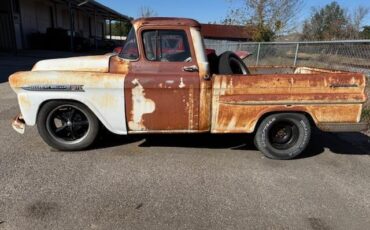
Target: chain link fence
{"points": [[339, 55]]}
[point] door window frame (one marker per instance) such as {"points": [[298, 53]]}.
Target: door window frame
{"points": [[180, 28]]}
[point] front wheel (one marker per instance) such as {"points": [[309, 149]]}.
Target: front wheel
{"points": [[283, 136], [67, 126]]}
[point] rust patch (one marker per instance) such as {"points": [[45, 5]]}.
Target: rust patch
{"points": [[163, 21], [119, 65], [205, 104], [24, 101], [18, 124], [304, 98], [243, 118], [290, 84]]}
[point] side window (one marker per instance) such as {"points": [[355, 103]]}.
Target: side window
{"points": [[166, 46], [130, 50]]}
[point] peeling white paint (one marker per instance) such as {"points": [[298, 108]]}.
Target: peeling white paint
{"points": [[182, 85], [140, 106]]}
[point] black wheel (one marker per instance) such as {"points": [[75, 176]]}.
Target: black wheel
{"points": [[230, 63], [67, 126], [283, 136]]}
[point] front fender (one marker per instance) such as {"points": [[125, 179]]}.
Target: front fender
{"points": [[102, 93]]}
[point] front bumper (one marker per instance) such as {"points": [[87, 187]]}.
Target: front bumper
{"points": [[18, 124], [343, 127]]}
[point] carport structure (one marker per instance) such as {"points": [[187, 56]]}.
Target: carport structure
{"points": [[96, 9], [85, 18]]}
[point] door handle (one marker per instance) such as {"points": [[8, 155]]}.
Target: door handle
{"points": [[192, 68]]}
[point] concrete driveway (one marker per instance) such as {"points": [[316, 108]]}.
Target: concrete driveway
{"points": [[180, 182]]}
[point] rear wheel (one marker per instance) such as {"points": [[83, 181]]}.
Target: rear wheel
{"points": [[67, 126], [283, 136]]}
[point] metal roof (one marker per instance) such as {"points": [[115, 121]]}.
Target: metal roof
{"points": [[92, 6]]}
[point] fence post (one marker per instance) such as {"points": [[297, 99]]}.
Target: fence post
{"points": [[296, 55], [258, 54]]}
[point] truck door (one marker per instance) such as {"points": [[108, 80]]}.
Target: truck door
{"points": [[162, 93]]}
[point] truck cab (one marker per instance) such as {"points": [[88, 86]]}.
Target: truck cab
{"points": [[168, 85]]}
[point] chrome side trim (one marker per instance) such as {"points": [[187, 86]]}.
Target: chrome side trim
{"points": [[55, 88]]}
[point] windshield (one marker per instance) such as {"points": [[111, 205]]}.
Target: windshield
{"points": [[130, 50]]}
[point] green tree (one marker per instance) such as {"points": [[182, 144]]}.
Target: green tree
{"points": [[119, 28], [333, 23], [365, 33]]}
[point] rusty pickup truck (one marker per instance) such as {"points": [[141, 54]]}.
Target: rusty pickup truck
{"points": [[165, 81]]}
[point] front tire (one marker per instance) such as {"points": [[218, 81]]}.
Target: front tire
{"points": [[283, 136], [67, 126]]}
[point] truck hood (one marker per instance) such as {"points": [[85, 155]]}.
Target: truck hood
{"points": [[84, 64]]}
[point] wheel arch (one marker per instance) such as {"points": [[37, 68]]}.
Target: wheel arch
{"points": [[262, 116], [31, 114], [96, 113]]}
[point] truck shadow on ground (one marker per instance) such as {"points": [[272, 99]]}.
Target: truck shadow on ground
{"points": [[349, 144], [319, 142]]}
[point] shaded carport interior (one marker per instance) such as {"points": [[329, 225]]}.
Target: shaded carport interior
{"points": [[96, 9], [10, 12]]}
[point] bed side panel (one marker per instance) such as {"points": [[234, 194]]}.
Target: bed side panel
{"points": [[240, 101]]}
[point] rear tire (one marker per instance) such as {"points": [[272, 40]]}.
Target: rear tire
{"points": [[67, 126], [283, 136]]}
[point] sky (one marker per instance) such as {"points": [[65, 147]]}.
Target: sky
{"points": [[211, 10]]}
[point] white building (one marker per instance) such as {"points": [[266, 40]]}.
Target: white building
{"points": [[30, 23]]}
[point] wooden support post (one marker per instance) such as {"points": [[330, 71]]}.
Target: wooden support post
{"points": [[96, 30], [71, 25], [110, 29]]}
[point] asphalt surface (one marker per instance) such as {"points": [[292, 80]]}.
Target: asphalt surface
{"points": [[180, 182]]}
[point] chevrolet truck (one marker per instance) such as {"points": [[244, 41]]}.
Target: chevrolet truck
{"points": [[164, 80]]}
